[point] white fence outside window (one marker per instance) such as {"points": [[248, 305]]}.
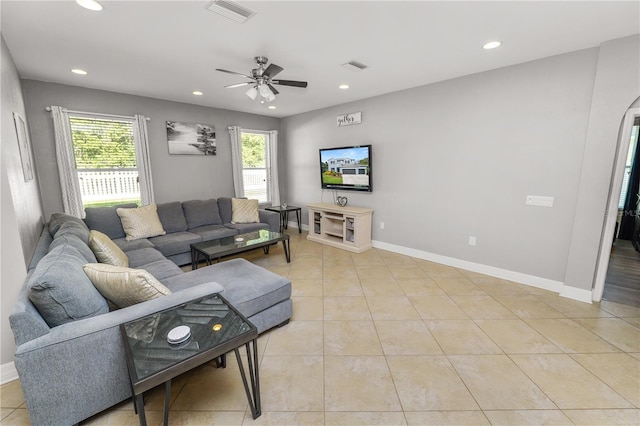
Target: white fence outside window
{"points": [[112, 185], [255, 184]]}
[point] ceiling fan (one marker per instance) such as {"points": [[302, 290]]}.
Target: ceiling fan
{"points": [[262, 80]]}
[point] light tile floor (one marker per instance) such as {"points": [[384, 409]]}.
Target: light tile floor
{"points": [[383, 339]]}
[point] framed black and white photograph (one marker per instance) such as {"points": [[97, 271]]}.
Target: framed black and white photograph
{"points": [[25, 146], [191, 138]]}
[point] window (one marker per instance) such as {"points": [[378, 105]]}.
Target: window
{"points": [[105, 160], [255, 171]]}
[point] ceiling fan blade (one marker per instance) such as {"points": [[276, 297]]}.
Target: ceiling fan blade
{"points": [[232, 86], [233, 72], [273, 89], [272, 70], [292, 83]]}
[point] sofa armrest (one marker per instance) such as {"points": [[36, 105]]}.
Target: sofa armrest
{"points": [[270, 218]]}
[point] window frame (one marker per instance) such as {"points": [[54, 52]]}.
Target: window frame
{"points": [[267, 158]]}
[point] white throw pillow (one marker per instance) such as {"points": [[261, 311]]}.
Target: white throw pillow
{"points": [[141, 222], [124, 286], [244, 211], [106, 251]]}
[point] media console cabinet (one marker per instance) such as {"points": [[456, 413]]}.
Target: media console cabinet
{"points": [[347, 228]]}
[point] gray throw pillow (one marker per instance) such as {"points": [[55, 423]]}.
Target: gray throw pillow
{"points": [[201, 212], [57, 219], [106, 220], [172, 217], [73, 228], [75, 242], [61, 291]]}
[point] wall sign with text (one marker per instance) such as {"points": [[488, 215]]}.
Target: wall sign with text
{"points": [[349, 119]]}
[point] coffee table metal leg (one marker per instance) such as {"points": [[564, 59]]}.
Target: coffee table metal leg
{"points": [[298, 216], [138, 401], [285, 245], [167, 398], [253, 394]]}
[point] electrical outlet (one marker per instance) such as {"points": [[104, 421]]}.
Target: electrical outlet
{"points": [[472, 241], [539, 200], [381, 225]]}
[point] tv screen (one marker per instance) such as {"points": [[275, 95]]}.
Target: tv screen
{"points": [[346, 168]]}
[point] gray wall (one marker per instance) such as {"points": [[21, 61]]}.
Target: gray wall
{"points": [[175, 177], [457, 159], [21, 209], [616, 87]]}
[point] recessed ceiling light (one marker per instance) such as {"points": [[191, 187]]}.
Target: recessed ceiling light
{"points": [[198, 93], [90, 4], [272, 107], [343, 86], [491, 45], [79, 71]]}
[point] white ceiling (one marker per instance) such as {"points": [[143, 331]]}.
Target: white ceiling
{"points": [[168, 49]]}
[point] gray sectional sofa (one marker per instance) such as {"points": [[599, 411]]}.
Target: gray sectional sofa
{"points": [[71, 371]]}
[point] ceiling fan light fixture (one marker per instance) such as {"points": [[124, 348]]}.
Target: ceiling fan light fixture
{"points": [[253, 93], [264, 91]]}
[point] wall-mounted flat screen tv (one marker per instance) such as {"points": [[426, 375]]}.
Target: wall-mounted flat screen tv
{"points": [[346, 168]]}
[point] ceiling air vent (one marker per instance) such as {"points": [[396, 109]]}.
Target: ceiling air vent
{"points": [[354, 66], [232, 10]]}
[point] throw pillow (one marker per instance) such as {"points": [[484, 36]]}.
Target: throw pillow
{"points": [[107, 251], [201, 212], [106, 220], [124, 286], [141, 222], [244, 211], [61, 291]]}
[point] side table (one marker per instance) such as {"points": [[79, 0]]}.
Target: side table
{"points": [[284, 215], [216, 328]]}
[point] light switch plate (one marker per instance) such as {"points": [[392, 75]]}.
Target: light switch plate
{"points": [[539, 200]]}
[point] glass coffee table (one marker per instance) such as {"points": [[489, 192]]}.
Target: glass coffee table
{"points": [[216, 328], [216, 249]]}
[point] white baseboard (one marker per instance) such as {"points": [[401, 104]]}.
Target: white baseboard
{"points": [[576, 294], [8, 373], [518, 277], [530, 280]]}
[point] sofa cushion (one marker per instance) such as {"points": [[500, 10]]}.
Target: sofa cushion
{"points": [[201, 212], [244, 210], [73, 228], [124, 286], [213, 232], [224, 207], [162, 269], [172, 217], [141, 222], [61, 291], [127, 246], [106, 220], [175, 243], [243, 228], [139, 258], [76, 243], [57, 219], [107, 251], [250, 288]]}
